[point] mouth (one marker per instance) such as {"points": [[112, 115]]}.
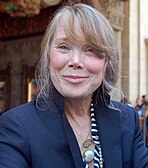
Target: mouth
{"points": [[75, 79]]}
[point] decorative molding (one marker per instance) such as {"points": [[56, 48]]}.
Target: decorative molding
{"points": [[17, 51], [19, 43], [25, 8], [113, 10], [14, 28]]}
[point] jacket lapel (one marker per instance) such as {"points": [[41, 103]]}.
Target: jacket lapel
{"points": [[73, 144], [108, 121]]}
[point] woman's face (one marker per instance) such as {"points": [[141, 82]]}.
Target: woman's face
{"points": [[76, 71]]}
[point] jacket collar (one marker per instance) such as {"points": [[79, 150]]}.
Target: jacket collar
{"points": [[108, 122], [55, 99], [74, 147]]}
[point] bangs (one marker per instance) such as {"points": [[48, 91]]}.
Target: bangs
{"points": [[69, 28], [89, 31]]}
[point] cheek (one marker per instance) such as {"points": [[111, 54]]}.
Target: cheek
{"points": [[95, 65], [57, 61]]}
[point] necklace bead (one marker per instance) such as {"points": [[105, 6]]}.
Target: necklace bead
{"points": [[87, 143], [88, 156]]}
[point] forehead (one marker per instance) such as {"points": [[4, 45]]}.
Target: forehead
{"points": [[73, 32]]}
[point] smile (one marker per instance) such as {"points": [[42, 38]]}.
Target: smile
{"points": [[75, 79]]}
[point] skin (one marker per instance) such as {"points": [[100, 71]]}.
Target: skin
{"points": [[76, 72]]}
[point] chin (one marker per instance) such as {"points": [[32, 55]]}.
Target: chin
{"points": [[77, 96], [75, 93]]}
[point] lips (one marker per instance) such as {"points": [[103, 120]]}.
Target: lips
{"points": [[75, 79]]}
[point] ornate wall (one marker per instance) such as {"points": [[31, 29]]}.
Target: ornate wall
{"points": [[16, 55], [20, 40], [17, 27]]}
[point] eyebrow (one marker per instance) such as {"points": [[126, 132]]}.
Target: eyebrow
{"points": [[61, 39]]}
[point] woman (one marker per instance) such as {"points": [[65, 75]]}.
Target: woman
{"points": [[73, 123]]}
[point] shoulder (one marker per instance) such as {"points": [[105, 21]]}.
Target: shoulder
{"points": [[128, 115], [21, 112], [24, 108], [132, 137], [125, 110], [21, 120]]}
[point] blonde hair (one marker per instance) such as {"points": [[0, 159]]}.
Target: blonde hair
{"points": [[97, 32]]}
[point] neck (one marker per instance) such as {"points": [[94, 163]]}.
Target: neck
{"points": [[77, 108], [78, 115]]}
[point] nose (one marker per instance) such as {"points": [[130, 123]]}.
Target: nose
{"points": [[76, 60]]}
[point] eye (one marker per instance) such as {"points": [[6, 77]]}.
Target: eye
{"points": [[89, 49], [63, 47], [94, 51]]}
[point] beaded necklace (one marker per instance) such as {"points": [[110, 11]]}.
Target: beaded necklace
{"points": [[96, 155], [90, 155]]}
